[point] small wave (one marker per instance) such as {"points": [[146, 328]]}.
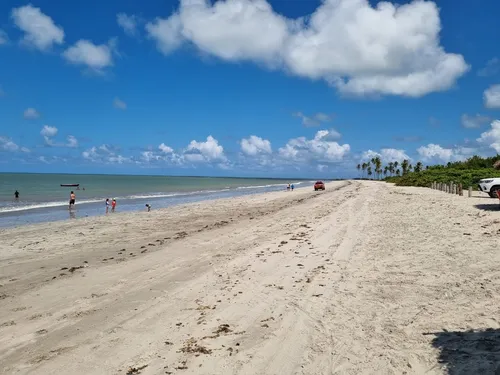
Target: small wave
{"points": [[34, 206]]}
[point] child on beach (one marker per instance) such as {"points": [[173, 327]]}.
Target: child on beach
{"points": [[113, 205], [107, 205], [292, 187], [148, 206]]}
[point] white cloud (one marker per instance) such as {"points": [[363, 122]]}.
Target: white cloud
{"points": [[165, 149], [119, 104], [386, 155], [491, 138], [104, 154], [321, 148], [436, 153], [491, 97], [95, 57], [49, 131], [127, 23], [72, 142], [166, 33], [6, 144], [359, 49], [31, 114], [40, 31], [254, 145], [433, 151], [209, 151], [473, 122], [4, 39]]}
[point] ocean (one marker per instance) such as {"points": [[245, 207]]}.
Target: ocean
{"points": [[42, 198]]}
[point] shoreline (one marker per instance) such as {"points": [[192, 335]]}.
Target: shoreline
{"points": [[364, 277], [56, 211]]}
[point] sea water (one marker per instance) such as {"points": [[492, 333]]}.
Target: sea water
{"points": [[43, 199]]}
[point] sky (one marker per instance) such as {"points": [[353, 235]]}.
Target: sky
{"points": [[246, 87]]}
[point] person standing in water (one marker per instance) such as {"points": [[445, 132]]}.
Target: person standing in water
{"points": [[113, 205], [107, 205], [72, 199], [16, 194], [292, 187]]}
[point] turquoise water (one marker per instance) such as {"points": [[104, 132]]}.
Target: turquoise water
{"points": [[43, 199]]}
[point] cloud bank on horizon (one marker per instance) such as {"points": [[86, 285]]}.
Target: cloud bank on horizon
{"points": [[359, 50]]}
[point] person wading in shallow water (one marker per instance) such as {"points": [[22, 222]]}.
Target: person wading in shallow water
{"points": [[16, 194], [72, 199]]}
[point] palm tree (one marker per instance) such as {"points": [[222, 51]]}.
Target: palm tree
{"points": [[391, 168], [404, 166], [363, 167], [369, 169], [397, 172], [396, 165], [418, 167], [386, 170], [358, 167]]}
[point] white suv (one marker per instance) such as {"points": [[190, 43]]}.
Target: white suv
{"points": [[490, 186]]}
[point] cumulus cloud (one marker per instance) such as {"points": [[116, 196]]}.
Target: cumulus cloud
{"points": [[386, 155], [209, 151], [119, 104], [49, 131], [4, 39], [474, 122], [319, 149], [314, 120], [436, 153], [491, 97], [93, 56], [254, 145], [165, 149], [491, 138], [357, 48], [40, 31], [127, 23], [6, 144], [31, 114], [104, 154]]}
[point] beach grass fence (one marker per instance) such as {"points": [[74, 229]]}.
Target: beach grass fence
{"points": [[450, 188]]}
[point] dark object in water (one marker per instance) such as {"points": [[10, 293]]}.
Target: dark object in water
{"points": [[69, 185]]}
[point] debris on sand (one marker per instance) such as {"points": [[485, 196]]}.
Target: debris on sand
{"points": [[135, 370], [223, 328], [73, 269], [191, 346]]}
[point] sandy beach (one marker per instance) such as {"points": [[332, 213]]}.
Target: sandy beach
{"points": [[363, 278]]}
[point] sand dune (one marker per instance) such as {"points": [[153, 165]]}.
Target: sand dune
{"points": [[364, 278]]}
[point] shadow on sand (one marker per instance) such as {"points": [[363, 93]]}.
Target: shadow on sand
{"points": [[469, 352], [488, 207]]}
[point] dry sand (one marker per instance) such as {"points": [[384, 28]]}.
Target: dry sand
{"points": [[364, 278]]}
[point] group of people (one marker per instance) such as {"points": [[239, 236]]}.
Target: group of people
{"points": [[113, 205], [290, 187]]}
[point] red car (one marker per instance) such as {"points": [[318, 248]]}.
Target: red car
{"points": [[319, 185]]}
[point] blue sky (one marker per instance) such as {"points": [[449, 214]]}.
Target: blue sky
{"points": [[245, 88]]}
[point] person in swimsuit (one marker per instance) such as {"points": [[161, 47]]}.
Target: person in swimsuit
{"points": [[107, 205], [113, 205], [72, 199], [16, 194]]}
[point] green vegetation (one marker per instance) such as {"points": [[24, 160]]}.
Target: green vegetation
{"points": [[467, 172]]}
